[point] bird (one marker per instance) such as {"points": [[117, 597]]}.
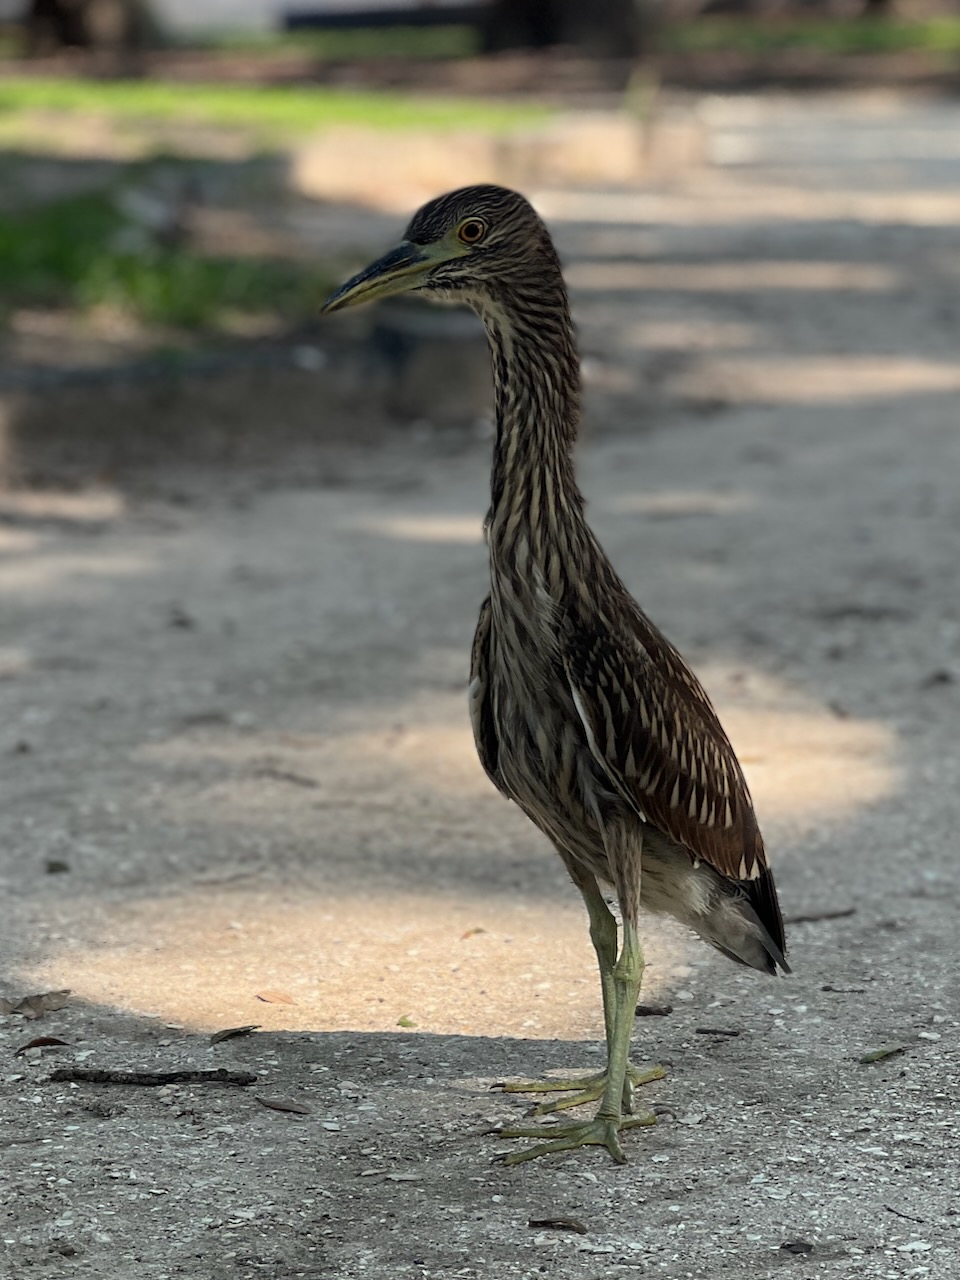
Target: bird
{"points": [[583, 713]]}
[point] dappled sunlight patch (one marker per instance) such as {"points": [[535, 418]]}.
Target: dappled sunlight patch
{"points": [[691, 334], [345, 766], [19, 541], [89, 506], [405, 777], [14, 661], [806, 763], [733, 277], [350, 961], [449, 528], [804, 768], [380, 883], [666, 504], [29, 518], [717, 199], [33, 561], [815, 379], [77, 577]]}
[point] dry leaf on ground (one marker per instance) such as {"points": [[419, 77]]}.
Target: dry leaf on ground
{"points": [[231, 1033], [40, 1042], [285, 1104]]}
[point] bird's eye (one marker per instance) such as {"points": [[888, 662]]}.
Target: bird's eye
{"points": [[472, 231]]}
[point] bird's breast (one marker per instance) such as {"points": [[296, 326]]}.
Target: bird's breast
{"points": [[544, 758]]}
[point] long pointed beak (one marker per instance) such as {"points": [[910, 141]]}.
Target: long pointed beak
{"points": [[396, 272]]}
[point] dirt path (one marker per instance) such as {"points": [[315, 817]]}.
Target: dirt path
{"points": [[235, 713]]}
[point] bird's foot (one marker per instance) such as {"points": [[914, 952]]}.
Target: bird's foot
{"points": [[601, 1131], [583, 1089]]}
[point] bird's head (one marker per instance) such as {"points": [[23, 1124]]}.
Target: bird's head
{"points": [[469, 245]]}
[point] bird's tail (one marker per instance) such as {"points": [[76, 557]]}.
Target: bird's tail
{"points": [[740, 919]]}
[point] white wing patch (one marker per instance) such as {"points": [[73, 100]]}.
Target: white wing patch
{"points": [[581, 712]]}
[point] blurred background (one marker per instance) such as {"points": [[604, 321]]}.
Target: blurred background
{"points": [[241, 559], [181, 183]]}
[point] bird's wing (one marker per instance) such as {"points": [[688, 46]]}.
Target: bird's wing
{"points": [[652, 728], [481, 710]]}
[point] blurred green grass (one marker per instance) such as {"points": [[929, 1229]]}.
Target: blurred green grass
{"points": [[267, 114], [357, 43], [83, 252], [818, 35]]}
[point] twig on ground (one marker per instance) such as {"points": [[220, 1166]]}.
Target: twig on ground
{"points": [[908, 1216], [92, 1075], [560, 1224], [813, 917]]}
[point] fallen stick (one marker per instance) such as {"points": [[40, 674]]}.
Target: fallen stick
{"points": [[814, 916], [93, 1075]]}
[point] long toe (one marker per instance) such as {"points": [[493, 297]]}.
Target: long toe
{"points": [[582, 1089], [601, 1131], [551, 1084]]}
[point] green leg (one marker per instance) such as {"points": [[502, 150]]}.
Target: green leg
{"points": [[603, 935], [605, 1127], [583, 1089]]}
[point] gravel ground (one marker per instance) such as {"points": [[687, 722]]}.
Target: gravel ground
{"points": [[239, 788]]}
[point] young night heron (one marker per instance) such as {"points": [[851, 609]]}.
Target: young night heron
{"points": [[583, 713]]}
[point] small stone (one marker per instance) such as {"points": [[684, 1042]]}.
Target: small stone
{"points": [[692, 1117]]}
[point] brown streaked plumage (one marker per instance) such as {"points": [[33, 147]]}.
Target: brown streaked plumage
{"points": [[583, 713]]}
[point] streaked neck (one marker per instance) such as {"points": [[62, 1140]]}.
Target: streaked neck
{"points": [[536, 375]]}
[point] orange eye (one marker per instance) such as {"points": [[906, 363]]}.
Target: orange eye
{"points": [[472, 231]]}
